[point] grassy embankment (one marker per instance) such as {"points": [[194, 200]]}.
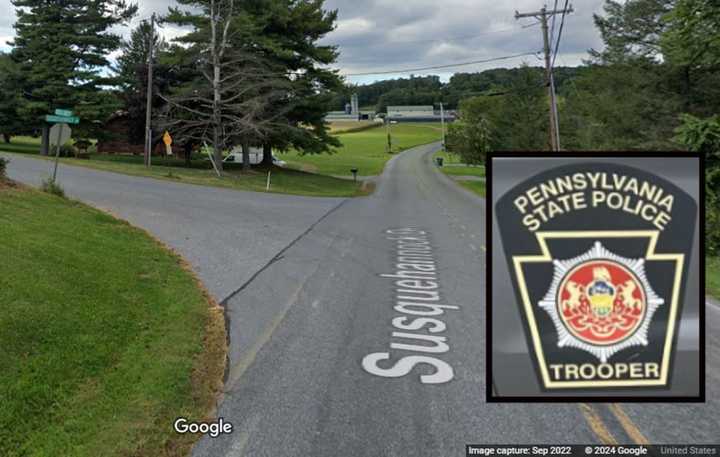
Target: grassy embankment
{"points": [[106, 337], [456, 170], [306, 175], [712, 276]]}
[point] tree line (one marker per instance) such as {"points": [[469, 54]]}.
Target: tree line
{"points": [[430, 90]]}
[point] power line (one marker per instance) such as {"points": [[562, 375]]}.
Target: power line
{"points": [[552, 27], [543, 16], [562, 24], [439, 67]]}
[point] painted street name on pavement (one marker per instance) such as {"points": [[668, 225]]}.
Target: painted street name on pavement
{"points": [[419, 303]]}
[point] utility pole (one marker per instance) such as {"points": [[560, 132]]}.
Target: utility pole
{"points": [[148, 106], [543, 16], [442, 124]]}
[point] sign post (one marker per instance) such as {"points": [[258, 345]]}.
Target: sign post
{"points": [[167, 139], [60, 133]]}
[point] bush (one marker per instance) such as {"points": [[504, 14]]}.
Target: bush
{"points": [[66, 150], [52, 187], [712, 210], [703, 136], [3, 167]]}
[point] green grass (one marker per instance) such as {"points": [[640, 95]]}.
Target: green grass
{"points": [[477, 187], [22, 145], [365, 150], [712, 276], [454, 167], [337, 127], [102, 334], [285, 181], [306, 175]]}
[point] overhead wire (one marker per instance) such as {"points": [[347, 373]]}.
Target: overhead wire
{"points": [[439, 67], [560, 31]]}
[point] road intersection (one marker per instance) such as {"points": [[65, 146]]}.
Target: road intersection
{"points": [[306, 301]]}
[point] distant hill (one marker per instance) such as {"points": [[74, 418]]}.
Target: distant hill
{"points": [[428, 90]]}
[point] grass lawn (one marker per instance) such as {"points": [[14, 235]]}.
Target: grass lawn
{"points": [[477, 187], [365, 150], [285, 181], [454, 167], [712, 276], [22, 145], [350, 126], [106, 338]]}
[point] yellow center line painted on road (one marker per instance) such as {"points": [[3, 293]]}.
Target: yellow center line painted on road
{"points": [[596, 424], [628, 425]]}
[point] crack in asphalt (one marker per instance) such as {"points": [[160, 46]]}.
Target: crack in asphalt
{"points": [[279, 256]]}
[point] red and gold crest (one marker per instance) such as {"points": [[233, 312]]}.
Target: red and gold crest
{"points": [[601, 302]]}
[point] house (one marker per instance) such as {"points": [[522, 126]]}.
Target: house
{"points": [[119, 138], [117, 129]]}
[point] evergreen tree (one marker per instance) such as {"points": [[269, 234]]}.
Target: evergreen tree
{"points": [[282, 36], [693, 35], [132, 72], [10, 99], [631, 29], [61, 47], [286, 32]]}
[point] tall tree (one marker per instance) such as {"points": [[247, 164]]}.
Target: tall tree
{"points": [[703, 136], [132, 71], [10, 99], [61, 47], [511, 117], [631, 29], [287, 33], [281, 36], [231, 103], [693, 34], [470, 136]]}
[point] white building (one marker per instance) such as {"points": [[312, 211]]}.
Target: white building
{"points": [[399, 112], [417, 114]]}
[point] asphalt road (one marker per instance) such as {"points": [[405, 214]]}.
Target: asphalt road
{"points": [[226, 235], [308, 310], [301, 331]]}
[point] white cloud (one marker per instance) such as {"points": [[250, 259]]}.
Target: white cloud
{"points": [[390, 34]]}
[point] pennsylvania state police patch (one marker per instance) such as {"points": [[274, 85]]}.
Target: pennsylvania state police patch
{"points": [[598, 254]]}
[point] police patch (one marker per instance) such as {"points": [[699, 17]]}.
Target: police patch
{"points": [[598, 254]]}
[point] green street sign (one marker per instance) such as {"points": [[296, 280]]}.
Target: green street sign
{"points": [[64, 112], [62, 119]]}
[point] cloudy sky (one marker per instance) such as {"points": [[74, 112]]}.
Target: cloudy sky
{"points": [[394, 35]]}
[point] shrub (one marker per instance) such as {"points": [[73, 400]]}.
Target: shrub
{"points": [[703, 136], [66, 150], [3, 167], [712, 210], [52, 187]]}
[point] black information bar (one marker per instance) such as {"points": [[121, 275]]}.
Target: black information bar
{"points": [[611, 450]]}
